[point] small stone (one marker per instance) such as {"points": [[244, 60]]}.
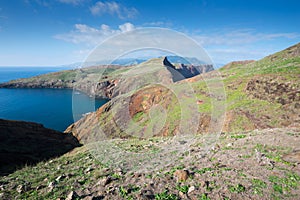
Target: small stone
{"points": [[60, 178], [23, 188], [39, 187], [104, 181], [191, 189], [20, 189], [72, 196], [90, 198], [182, 142], [51, 185], [87, 170], [119, 171], [182, 195], [181, 175], [1, 187], [229, 145]]}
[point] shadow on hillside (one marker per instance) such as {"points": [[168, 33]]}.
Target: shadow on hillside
{"points": [[26, 143]]}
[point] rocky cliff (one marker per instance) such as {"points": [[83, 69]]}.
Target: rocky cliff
{"points": [[92, 80], [25, 143], [101, 81], [235, 164], [181, 71], [259, 94]]}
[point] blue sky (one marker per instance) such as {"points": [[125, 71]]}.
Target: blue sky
{"points": [[57, 32]]}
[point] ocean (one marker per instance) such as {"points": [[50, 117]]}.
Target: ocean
{"points": [[11, 73], [54, 108]]}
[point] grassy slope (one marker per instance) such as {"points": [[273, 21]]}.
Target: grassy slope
{"points": [[244, 111], [242, 164], [282, 67], [219, 94], [231, 170]]}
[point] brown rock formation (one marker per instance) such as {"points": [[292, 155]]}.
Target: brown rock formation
{"points": [[273, 89]]}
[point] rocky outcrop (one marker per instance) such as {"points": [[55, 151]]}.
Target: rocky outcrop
{"points": [[113, 119], [291, 52], [273, 89], [100, 84], [100, 89], [141, 105], [53, 83], [167, 63], [183, 71], [91, 80], [28, 143]]}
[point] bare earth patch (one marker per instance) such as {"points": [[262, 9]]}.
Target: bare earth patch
{"points": [[259, 164]]}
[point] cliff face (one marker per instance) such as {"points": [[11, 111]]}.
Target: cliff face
{"points": [[145, 102], [111, 120], [260, 94], [28, 143], [182, 71], [102, 81], [130, 116], [92, 80]]}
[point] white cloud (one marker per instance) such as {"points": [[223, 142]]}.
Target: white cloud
{"points": [[240, 37], [113, 8], [223, 46], [243, 44], [92, 36], [73, 2], [158, 24], [126, 27]]}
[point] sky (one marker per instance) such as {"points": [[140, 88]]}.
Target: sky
{"points": [[60, 32]]}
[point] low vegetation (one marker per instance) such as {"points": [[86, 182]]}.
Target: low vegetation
{"points": [[220, 174]]}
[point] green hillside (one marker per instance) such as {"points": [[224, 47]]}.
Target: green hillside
{"points": [[232, 133]]}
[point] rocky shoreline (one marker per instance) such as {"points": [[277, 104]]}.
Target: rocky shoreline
{"points": [[98, 81]]}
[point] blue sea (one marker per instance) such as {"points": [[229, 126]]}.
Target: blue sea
{"points": [[54, 108]]}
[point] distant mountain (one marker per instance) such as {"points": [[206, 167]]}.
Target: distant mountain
{"points": [[133, 61], [71, 66], [128, 61], [185, 60]]}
